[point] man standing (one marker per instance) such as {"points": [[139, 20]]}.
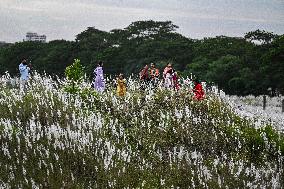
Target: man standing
{"points": [[24, 71]]}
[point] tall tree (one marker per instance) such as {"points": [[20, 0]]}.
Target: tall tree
{"points": [[260, 36], [273, 66]]}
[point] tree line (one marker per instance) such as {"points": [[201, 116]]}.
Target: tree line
{"points": [[252, 64]]}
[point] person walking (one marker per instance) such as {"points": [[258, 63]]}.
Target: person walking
{"points": [[99, 82], [24, 69]]}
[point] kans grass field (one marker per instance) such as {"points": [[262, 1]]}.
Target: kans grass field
{"points": [[154, 138]]}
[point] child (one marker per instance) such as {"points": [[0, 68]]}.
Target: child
{"points": [[198, 90], [121, 85]]}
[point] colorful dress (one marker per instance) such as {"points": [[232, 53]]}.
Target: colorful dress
{"points": [[198, 92], [144, 75], [168, 77], [154, 73], [175, 81], [99, 82], [121, 87], [154, 76]]}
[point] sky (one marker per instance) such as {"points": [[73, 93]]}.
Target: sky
{"points": [[64, 19]]}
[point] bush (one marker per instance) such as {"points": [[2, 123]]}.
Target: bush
{"points": [[148, 139], [75, 75]]}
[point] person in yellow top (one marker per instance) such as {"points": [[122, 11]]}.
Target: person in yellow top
{"points": [[121, 85]]}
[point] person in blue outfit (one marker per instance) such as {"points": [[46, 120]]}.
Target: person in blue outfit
{"points": [[24, 69]]}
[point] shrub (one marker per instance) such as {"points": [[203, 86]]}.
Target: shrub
{"points": [[148, 139], [74, 74]]}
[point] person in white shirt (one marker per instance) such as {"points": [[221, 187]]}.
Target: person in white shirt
{"points": [[25, 74]]}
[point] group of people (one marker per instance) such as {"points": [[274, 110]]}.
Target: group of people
{"points": [[99, 82], [149, 76], [152, 75]]}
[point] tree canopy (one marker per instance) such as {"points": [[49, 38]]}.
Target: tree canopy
{"points": [[239, 65]]}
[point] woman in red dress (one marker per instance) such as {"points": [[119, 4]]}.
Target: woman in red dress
{"points": [[198, 91]]}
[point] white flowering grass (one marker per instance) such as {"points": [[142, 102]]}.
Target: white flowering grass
{"points": [[252, 107], [153, 138]]}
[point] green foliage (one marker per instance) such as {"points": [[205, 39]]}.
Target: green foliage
{"points": [[240, 65], [75, 75], [75, 72], [141, 136], [72, 88], [273, 65], [260, 36]]}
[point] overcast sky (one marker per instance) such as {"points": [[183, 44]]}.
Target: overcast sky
{"points": [[63, 19]]}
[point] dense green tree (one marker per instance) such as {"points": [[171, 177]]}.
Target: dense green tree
{"points": [[89, 45], [260, 36], [198, 67], [145, 30], [55, 57], [273, 66], [144, 42], [223, 69], [12, 56], [239, 65]]}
